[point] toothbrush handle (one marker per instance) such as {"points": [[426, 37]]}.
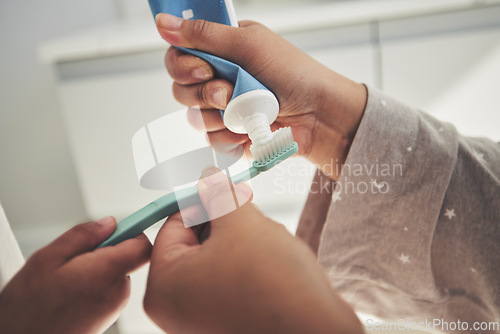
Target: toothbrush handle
{"points": [[155, 211], [161, 208]]}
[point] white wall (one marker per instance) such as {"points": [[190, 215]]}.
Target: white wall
{"points": [[38, 186], [448, 65]]}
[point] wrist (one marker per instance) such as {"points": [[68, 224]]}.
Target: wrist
{"points": [[340, 109]]}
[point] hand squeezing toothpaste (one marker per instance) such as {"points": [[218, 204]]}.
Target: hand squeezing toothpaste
{"points": [[322, 107]]}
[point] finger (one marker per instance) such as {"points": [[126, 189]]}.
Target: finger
{"points": [[205, 120], [246, 191], [214, 38], [126, 256], [187, 69], [174, 240], [80, 239], [219, 195], [215, 93], [226, 136]]}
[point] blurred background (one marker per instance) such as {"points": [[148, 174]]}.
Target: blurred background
{"points": [[78, 78]]}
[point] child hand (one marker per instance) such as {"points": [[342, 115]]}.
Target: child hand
{"points": [[68, 287], [249, 276]]}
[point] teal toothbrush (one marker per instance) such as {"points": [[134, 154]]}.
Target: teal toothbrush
{"points": [[283, 147]]}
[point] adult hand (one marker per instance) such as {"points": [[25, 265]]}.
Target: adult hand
{"points": [[322, 107], [68, 287], [249, 276]]}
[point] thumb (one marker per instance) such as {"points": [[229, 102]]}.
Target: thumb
{"points": [[215, 38], [220, 196]]}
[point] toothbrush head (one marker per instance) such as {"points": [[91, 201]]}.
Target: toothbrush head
{"points": [[281, 147]]}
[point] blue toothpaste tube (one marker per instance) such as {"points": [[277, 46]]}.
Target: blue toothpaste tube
{"points": [[252, 107]]}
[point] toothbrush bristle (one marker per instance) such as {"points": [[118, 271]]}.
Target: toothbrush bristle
{"points": [[281, 142]]}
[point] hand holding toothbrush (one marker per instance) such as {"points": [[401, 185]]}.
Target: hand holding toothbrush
{"points": [[322, 107], [249, 276], [67, 287]]}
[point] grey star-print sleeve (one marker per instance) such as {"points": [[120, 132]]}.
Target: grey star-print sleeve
{"points": [[413, 229]]}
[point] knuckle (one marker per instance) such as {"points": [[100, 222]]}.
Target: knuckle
{"points": [[179, 74], [183, 94], [199, 30], [176, 72], [86, 233], [108, 264], [177, 92], [108, 268], [37, 259], [168, 59], [170, 66], [203, 93], [176, 66]]}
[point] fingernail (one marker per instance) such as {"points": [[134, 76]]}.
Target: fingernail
{"points": [[212, 175], [219, 96], [201, 73], [246, 191], [105, 221], [168, 22]]}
